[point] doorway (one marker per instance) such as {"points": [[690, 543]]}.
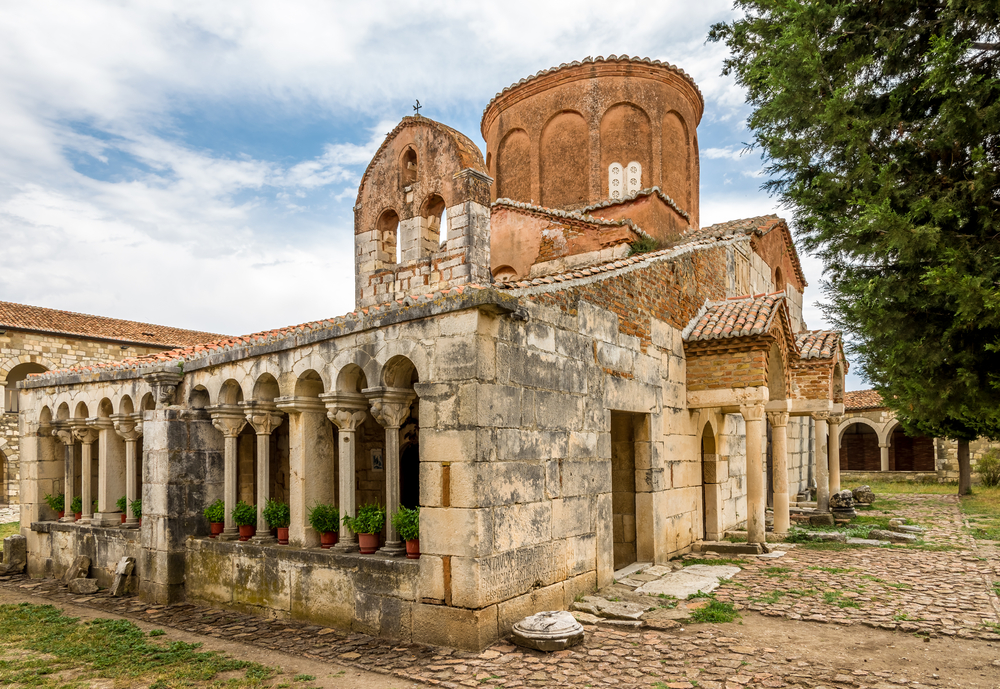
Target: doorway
{"points": [[623, 487]]}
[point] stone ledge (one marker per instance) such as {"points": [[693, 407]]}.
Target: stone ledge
{"points": [[373, 564], [99, 531]]}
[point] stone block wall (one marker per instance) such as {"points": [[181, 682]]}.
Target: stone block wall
{"points": [[10, 459]]}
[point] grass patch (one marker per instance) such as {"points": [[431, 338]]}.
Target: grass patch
{"points": [[771, 598], [836, 598], [982, 509], [801, 592], [713, 563], [829, 545], [64, 652], [776, 571], [9, 529], [834, 570], [715, 611]]}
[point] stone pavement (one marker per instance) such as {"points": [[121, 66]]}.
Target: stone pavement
{"points": [[947, 593]]}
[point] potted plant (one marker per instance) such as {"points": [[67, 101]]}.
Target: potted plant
{"points": [[245, 517], [367, 525], [278, 516], [136, 508], [407, 523], [216, 516], [57, 503], [76, 507], [122, 505], [325, 519]]}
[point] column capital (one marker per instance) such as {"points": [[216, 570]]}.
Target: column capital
{"points": [[263, 416], [346, 410], [128, 426], [835, 420], [297, 405], [102, 423], [84, 433], [62, 431], [821, 415], [164, 384], [753, 412], [229, 419], [390, 406], [778, 418]]}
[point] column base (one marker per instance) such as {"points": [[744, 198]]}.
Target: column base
{"points": [[130, 523], [87, 521], [348, 547], [392, 549], [228, 535], [68, 519], [264, 540]]}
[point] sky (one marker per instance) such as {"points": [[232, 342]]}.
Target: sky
{"points": [[195, 164]]}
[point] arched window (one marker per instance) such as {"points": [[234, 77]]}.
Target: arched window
{"points": [[16, 375], [390, 248], [434, 232], [408, 172], [779, 282]]}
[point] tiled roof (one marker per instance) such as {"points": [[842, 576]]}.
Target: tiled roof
{"points": [[735, 317], [633, 196], [818, 344], [862, 399], [577, 216], [36, 318], [759, 226]]}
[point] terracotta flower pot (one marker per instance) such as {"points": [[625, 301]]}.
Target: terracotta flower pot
{"points": [[328, 539], [123, 518], [60, 514], [368, 543], [413, 549], [248, 532], [215, 528], [282, 535], [77, 515]]}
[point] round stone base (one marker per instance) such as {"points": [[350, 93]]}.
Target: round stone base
{"points": [[553, 630]]}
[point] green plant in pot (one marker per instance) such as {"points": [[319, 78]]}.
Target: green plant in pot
{"points": [[122, 505], [367, 525], [76, 507], [325, 518], [278, 516], [216, 516], [136, 507], [57, 503], [407, 523], [245, 517]]}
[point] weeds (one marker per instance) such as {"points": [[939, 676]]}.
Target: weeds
{"points": [[715, 611], [713, 563]]}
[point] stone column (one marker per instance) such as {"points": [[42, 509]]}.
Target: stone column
{"points": [[779, 455], [86, 435], [883, 449], [310, 464], [390, 407], [110, 479], [822, 462], [264, 417], [756, 498], [129, 427], [833, 442], [229, 420], [347, 411], [65, 436]]}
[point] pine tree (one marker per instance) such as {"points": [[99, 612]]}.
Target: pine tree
{"points": [[879, 121]]}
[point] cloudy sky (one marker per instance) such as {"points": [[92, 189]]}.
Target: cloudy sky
{"points": [[194, 164]]}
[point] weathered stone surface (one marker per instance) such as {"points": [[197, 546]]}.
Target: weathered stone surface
{"points": [[908, 528], [615, 610], [829, 536], [553, 630], [866, 541], [843, 499], [821, 519], [122, 573], [893, 536], [83, 586], [863, 495], [78, 570], [15, 554], [689, 580]]}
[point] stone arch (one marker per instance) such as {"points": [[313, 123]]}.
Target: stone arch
{"points": [[105, 408], [148, 402], [860, 451], [62, 411], [44, 416], [675, 161], [504, 273], [199, 397], [81, 411], [359, 358], [265, 388], [408, 169], [7, 364], [309, 384], [125, 405], [411, 351], [877, 427], [399, 372], [711, 514], [626, 137], [888, 429], [513, 173], [387, 237], [433, 224], [12, 377], [352, 379], [313, 363], [564, 160]]}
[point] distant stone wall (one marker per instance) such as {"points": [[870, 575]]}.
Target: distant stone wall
{"points": [[10, 462]]}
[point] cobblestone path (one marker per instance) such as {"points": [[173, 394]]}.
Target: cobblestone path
{"points": [[909, 588]]}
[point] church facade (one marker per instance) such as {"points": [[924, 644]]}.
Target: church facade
{"points": [[549, 356]]}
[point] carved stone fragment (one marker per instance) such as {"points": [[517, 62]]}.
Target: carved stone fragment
{"points": [[553, 630], [77, 570]]}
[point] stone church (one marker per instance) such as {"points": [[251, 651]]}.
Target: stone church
{"points": [[549, 355]]}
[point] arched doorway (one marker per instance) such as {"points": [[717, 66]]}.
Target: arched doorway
{"points": [[859, 450], [16, 375], [709, 482]]}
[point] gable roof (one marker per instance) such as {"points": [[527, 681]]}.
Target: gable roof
{"points": [[818, 344], [649, 191], [577, 217], [39, 319], [735, 317], [863, 399], [757, 226]]}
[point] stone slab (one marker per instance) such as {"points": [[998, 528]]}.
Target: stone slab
{"points": [[690, 580], [83, 586], [634, 568], [866, 541], [122, 572], [78, 570], [15, 554], [772, 555], [893, 536]]}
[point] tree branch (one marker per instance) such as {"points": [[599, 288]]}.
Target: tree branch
{"points": [[986, 46]]}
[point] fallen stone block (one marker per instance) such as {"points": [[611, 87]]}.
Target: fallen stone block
{"points": [[826, 536], [83, 586], [907, 528], [586, 618], [122, 572], [893, 536], [690, 580], [863, 495], [15, 554], [78, 570], [821, 519], [866, 541]]}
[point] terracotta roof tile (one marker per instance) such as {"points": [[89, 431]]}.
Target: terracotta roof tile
{"points": [[863, 399], [632, 197], [36, 318], [759, 226], [577, 216], [818, 344], [736, 317]]}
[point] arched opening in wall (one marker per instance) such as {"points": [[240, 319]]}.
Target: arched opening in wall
{"points": [[565, 161], [109, 470], [198, 399], [433, 225], [779, 280], [273, 430], [317, 457], [16, 375], [504, 273], [711, 479], [408, 167], [676, 168], [400, 374], [859, 450], [514, 167], [390, 248], [626, 141], [908, 453], [80, 414]]}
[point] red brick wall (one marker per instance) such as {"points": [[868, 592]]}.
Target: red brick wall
{"points": [[719, 370], [859, 450], [812, 380], [910, 454]]}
